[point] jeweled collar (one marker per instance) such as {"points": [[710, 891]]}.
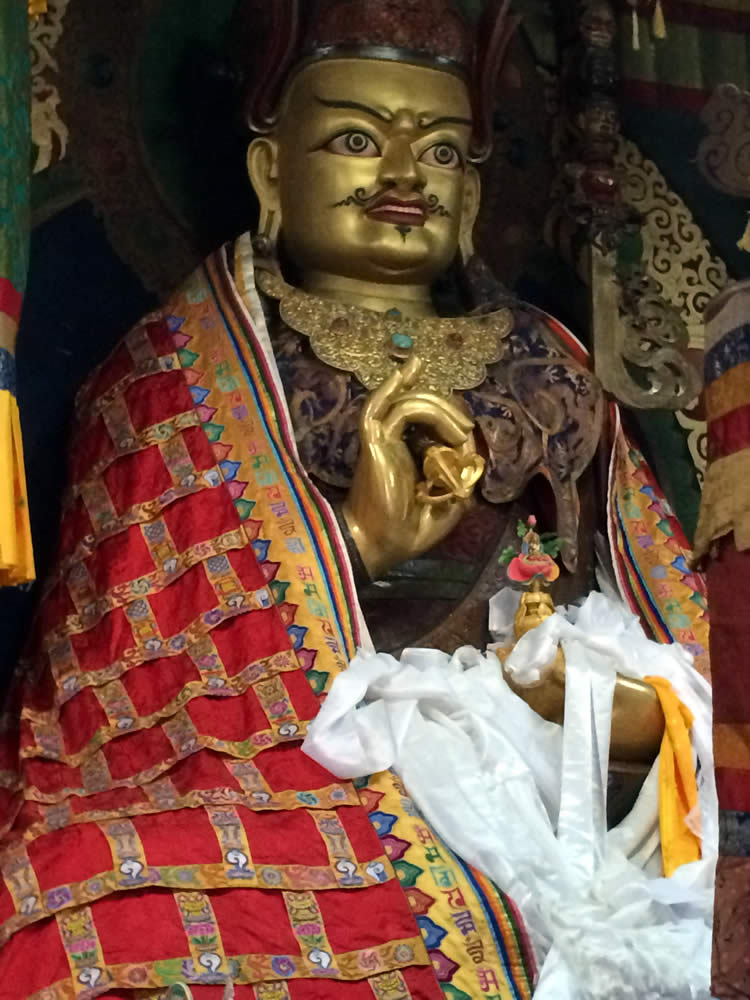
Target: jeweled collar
{"points": [[455, 352]]}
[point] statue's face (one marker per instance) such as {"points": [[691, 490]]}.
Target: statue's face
{"points": [[599, 25], [369, 166]]}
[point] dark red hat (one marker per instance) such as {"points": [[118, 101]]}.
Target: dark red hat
{"points": [[431, 32]]}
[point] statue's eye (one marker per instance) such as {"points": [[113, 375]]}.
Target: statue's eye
{"points": [[442, 154], [353, 143]]}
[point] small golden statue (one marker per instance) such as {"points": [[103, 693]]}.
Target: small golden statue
{"points": [[637, 718], [535, 567]]}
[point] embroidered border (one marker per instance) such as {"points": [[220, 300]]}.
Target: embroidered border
{"points": [[163, 797], [132, 872], [89, 972], [243, 969], [652, 557], [472, 936]]}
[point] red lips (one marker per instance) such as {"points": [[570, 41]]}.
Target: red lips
{"points": [[388, 207]]}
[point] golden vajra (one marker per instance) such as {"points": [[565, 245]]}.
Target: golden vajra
{"points": [[449, 476]]}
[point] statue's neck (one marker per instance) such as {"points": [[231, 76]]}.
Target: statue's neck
{"points": [[411, 300]]}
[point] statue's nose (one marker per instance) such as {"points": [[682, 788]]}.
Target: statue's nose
{"points": [[399, 167]]}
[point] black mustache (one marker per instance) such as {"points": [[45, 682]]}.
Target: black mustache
{"points": [[361, 197]]}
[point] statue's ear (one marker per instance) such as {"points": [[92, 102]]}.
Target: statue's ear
{"points": [[263, 170], [469, 213]]}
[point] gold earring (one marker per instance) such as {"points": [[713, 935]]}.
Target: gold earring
{"points": [[468, 219], [265, 241], [466, 242]]}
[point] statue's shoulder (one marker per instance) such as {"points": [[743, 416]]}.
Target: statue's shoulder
{"points": [[537, 333]]}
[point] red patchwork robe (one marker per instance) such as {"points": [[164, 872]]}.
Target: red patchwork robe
{"points": [[161, 822]]}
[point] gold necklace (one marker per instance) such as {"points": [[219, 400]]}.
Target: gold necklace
{"points": [[455, 352]]}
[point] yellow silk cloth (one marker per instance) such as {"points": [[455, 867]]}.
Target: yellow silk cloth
{"points": [[678, 789], [16, 556]]}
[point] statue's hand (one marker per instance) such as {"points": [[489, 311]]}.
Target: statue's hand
{"points": [[387, 520]]}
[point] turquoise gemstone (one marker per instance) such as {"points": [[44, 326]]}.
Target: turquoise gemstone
{"points": [[402, 340], [393, 314]]}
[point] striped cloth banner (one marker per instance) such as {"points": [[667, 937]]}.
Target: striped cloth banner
{"points": [[707, 43], [725, 505], [723, 538], [16, 561]]}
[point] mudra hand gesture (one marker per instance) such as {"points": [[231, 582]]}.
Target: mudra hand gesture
{"points": [[385, 515]]}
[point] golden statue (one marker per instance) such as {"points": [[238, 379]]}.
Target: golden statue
{"points": [[303, 442], [367, 176], [369, 193]]}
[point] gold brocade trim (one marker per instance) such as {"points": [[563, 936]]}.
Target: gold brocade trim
{"points": [[179, 730], [725, 505], [276, 703], [88, 971], [207, 953], [341, 853], [148, 640], [455, 352], [107, 523], [95, 775], [162, 796], [272, 991], [352, 966], [165, 435], [390, 986], [216, 680], [121, 595], [309, 929], [87, 410], [123, 718], [21, 882]]}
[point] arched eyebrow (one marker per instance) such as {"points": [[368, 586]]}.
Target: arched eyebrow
{"points": [[424, 121], [356, 106], [428, 124]]}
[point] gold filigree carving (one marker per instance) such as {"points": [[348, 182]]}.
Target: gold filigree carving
{"points": [[48, 131], [724, 154], [455, 352], [697, 440], [677, 256], [639, 339], [679, 261]]}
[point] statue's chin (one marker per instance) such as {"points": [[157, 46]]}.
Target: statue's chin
{"points": [[409, 259], [415, 258]]}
